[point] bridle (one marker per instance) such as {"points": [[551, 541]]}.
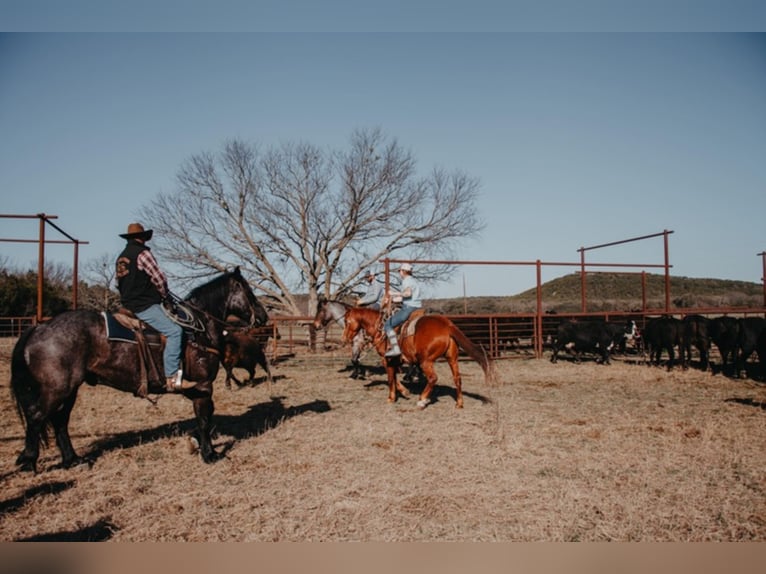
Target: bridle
{"points": [[194, 323], [336, 312]]}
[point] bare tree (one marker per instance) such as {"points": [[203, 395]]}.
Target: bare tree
{"points": [[97, 293], [298, 219]]}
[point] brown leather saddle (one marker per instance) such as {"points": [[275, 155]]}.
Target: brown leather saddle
{"points": [[125, 327], [407, 329]]}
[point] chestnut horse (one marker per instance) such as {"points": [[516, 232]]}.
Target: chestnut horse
{"points": [[433, 337]]}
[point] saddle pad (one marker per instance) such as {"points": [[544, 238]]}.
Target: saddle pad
{"points": [[116, 331], [410, 326]]}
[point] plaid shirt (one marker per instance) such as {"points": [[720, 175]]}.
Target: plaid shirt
{"points": [[148, 264]]}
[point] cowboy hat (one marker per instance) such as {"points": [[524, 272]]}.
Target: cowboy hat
{"points": [[406, 267], [137, 231]]}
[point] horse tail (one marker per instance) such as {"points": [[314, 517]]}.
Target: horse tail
{"points": [[474, 351], [24, 387]]}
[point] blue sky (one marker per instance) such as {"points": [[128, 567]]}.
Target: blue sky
{"points": [[578, 139]]}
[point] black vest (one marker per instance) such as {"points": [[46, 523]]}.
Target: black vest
{"points": [[137, 292]]}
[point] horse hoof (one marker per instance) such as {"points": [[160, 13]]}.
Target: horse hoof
{"points": [[78, 461], [27, 465], [423, 403], [193, 445], [211, 457]]}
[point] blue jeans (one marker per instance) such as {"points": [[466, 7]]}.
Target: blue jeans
{"points": [[399, 317], [156, 317]]}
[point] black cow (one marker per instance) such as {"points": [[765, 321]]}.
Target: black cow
{"points": [[724, 333], [760, 348], [696, 333], [750, 329], [591, 337], [663, 334]]}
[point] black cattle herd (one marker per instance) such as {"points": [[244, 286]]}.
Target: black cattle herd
{"points": [[736, 339]]}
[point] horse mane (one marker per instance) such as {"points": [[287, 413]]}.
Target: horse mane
{"points": [[211, 291]]}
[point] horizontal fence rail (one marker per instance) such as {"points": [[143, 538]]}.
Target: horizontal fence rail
{"points": [[501, 335]]}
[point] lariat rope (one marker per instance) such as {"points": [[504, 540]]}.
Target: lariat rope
{"points": [[196, 324]]}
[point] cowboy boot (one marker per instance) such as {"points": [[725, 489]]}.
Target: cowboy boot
{"points": [[394, 350]]}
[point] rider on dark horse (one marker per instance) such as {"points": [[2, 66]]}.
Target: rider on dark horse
{"points": [[410, 297], [143, 287]]}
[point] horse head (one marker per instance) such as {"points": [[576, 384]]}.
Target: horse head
{"points": [[328, 311], [242, 302]]}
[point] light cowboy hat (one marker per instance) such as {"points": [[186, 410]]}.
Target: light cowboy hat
{"points": [[406, 267], [137, 231]]}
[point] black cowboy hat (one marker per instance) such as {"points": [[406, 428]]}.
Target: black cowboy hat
{"points": [[137, 231]]}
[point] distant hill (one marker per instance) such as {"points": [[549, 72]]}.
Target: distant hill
{"points": [[612, 291]]}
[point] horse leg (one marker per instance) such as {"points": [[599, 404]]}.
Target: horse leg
{"points": [[357, 371], [60, 422], [393, 384], [430, 373], [458, 382], [203, 409], [35, 427]]}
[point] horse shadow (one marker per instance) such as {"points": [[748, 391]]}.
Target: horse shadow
{"points": [[747, 402], [257, 381], [281, 358], [51, 488], [99, 531], [260, 418], [415, 386], [252, 423], [366, 371]]}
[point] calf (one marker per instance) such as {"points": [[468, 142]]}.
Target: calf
{"points": [[724, 333], [750, 329], [663, 334], [244, 349], [591, 337]]}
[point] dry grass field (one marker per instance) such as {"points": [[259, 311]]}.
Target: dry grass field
{"points": [[564, 452]]}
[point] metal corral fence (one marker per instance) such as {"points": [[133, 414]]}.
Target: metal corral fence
{"points": [[15, 326], [502, 336]]}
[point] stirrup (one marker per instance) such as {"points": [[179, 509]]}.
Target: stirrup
{"points": [[175, 383]]}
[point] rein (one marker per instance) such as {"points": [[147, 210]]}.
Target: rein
{"points": [[214, 319], [205, 348]]}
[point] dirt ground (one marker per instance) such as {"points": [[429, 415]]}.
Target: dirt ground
{"points": [[564, 452]]}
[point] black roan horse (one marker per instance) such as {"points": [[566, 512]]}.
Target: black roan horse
{"points": [[51, 360]]}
